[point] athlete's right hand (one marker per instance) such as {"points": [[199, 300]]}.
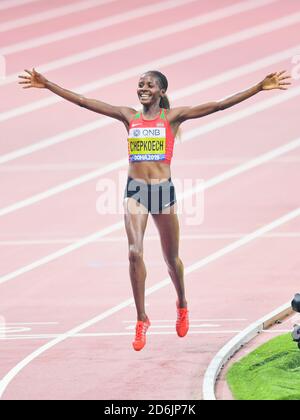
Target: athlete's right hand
{"points": [[34, 80]]}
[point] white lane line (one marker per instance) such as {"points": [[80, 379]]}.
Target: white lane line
{"points": [[52, 13], [30, 323], [73, 167], [245, 240], [94, 26], [221, 122], [193, 320], [140, 39], [178, 162], [56, 167], [234, 345], [13, 330], [125, 304], [246, 112], [118, 239], [54, 256], [99, 335], [203, 186], [8, 4], [132, 327], [63, 187], [210, 46], [179, 94], [244, 167]]}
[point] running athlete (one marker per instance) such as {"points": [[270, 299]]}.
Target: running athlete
{"points": [[151, 134]]}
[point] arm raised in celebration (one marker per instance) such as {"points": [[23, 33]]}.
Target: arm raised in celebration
{"points": [[272, 81], [33, 79]]}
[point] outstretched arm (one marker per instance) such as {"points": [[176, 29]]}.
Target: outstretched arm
{"points": [[272, 81], [37, 80]]}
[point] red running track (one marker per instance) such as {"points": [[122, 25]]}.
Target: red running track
{"points": [[88, 289]]}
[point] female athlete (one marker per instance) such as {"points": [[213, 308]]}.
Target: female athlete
{"points": [[151, 134]]}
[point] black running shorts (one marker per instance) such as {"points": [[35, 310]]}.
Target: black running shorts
{"points": [[154, 197]]}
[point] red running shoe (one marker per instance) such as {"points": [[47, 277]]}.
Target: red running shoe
{"points": [[182, 324], [140, 335]]}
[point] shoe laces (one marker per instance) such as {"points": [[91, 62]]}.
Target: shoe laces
{"points": [[141, 330], [182, 314]]}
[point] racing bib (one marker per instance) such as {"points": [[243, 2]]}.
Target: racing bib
{"points": [[147, 144]]}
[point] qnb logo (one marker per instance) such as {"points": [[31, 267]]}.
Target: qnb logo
{"points": [[2, 327], [2, 67], [136, 133], [151, 132]]}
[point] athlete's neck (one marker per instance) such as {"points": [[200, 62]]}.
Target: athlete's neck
{"points": [[151, 112]]}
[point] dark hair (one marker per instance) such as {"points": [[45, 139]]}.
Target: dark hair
{"points": [[163, 83], [164, 100]]}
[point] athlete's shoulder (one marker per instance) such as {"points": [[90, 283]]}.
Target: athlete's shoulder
{"points": [[135, 115], [127, 113], [176, 114]]}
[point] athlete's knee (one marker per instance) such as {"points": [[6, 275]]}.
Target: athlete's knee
{"points": [[173, 262], [135, 254]]}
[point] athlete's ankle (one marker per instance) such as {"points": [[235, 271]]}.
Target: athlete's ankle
{"points": [[182, 303], [142, 317]]}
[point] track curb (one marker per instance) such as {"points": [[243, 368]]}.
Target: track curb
{"points": [[234, 345]]}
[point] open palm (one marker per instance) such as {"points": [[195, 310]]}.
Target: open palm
{"points": [[34, 80], [276, 81]]}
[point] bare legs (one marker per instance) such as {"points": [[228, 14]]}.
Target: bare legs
{"points": [[135, 223], [168, 228]]}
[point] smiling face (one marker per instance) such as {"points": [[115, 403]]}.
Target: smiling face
{"points": [[149, 91]]}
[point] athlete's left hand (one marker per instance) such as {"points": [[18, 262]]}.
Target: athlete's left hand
{"points": [[276, 81]]}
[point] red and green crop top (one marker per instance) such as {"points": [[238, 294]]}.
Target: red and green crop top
{"points": [[150, 140]]}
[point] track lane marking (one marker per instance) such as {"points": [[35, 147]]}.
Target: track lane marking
{"points": [[184, 55], [118, 239], [266, 157], [137, 39], [95, 25], [179, 162], [51, 14], [178, 94], [221, 122], [8, 4], [7, 379]]}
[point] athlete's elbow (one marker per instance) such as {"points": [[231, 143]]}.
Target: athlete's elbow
{"points": [[82, 101], [220, 106]]}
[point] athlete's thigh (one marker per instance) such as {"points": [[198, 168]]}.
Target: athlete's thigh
{"points": [[136, 219], [168, 227]]}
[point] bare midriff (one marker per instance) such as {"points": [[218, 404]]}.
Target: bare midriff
{"points": [[150, 172]]}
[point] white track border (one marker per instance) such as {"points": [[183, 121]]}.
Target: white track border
{"points": [[234, 345]]}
